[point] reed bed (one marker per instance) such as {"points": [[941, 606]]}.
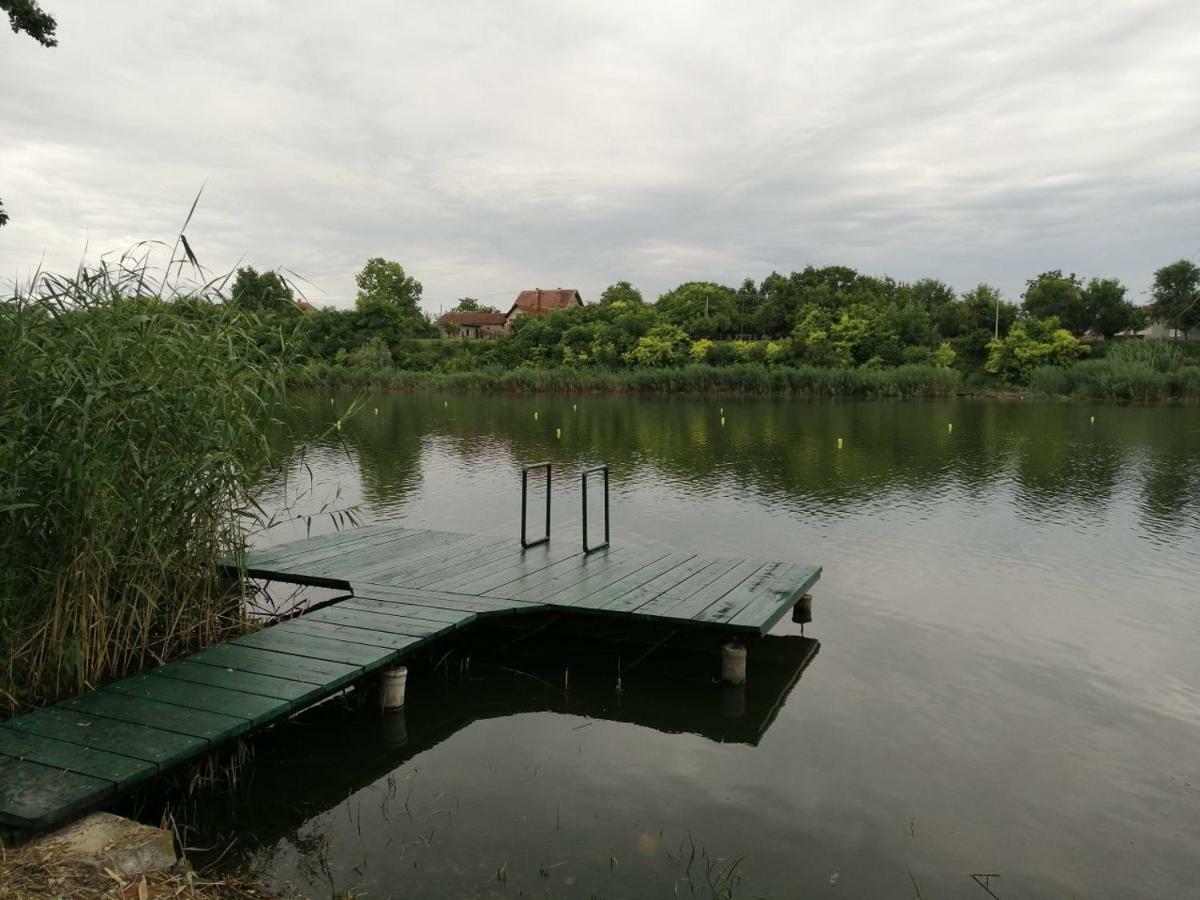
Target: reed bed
{"points": [[904, 381], [132, 419]]}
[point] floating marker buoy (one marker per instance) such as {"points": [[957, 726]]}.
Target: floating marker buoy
{"points": [[722, 410], [558, 433], [575, 406], [377, 410], [535, 414], [839, 443], [445, 403], [1093, 420], [950, 427], [722, 421], [331, 400], [338, 425]]}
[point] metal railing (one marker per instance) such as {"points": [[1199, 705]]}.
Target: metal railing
{"points": [[584, 485], [525, 470]]}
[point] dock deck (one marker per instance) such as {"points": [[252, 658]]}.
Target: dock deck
{"points": [[405, 588]]}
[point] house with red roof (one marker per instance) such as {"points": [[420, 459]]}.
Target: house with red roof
{"points": [[537, 302]]}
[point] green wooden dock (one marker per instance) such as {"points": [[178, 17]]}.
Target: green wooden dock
{"points": [[404, 588]]}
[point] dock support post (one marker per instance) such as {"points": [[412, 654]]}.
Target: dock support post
{"points": [[802, 611], [391, 688], [733, 663]]}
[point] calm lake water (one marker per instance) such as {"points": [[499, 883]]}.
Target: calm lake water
{"points": [[1008, 678]]}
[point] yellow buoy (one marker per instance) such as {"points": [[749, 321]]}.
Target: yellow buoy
{"points": [[339, 425], [722, 410], [950, 426], [330, 399], [535, 415], [722, 421], [558, 433], [575, 406], [839, 443], [1093, 420], [377, 410]]}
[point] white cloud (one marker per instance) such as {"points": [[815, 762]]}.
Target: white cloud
{"points": [[491, 147]]}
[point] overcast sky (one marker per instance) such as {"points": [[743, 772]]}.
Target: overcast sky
{"points": [[494, 146]]}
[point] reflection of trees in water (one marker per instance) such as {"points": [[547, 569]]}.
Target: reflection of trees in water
{"points": [[1058, 463]]}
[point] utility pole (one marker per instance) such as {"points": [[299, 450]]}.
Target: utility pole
{"points": [[997, 315]]}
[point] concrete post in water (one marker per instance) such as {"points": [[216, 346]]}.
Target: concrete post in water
{"points": [[391, 688], [733, 663]]}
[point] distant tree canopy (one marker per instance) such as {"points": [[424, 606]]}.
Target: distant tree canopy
{"points": [[28, 16], [266, 291], [470, 304], [1099, 306], [3, 214], [1108, 311], [1176, 295], [384, 283], [621, 292]]}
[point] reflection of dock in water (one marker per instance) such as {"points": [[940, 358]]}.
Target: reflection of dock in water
{"points": [[668, 682]]}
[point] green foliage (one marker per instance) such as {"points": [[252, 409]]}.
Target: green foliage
{"points": [[263, 292], [470, 304], [3, 215], [384, 283], [663, 345], [700, 308], [28, 16], [621, 292], [374, 354], [1054, 295], [1162, 356], [1176, 295], [1108, 311], [132, 445], [1030, 344]]}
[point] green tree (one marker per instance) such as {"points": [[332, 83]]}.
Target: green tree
{"points": [[1176, 295], [3, 214], [1030, 344], [663, 345], [1107, 309], [28, 16], [700, 308], [262, 292], [1060, 296], [470, 304], [384, 283], [621, 292]]}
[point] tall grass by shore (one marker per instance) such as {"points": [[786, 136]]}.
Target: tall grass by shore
{"points": [[131, 438], [904, 381], [1130, 370]]}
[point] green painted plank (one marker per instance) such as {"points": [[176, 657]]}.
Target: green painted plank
{"points": [[776, 598], [153, 745], [524, 562], [365, 638], [299, 693], [255, 709], [34, 797], [257, 661], [355, 618], [695, 607], [755, 586], [441, 600], [408, 610], [689, 587], [474, 564], [593, 593], [423, 556], [577, 565], [282, 640], [398, 552], [211, 726], [655, 587], [122, 771], [303, 546], [597, 568]]}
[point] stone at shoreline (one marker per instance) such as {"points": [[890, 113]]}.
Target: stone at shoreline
{"points": [[108, 842]]}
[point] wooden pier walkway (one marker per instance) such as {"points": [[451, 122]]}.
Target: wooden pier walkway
{"points": [[405, 588]]}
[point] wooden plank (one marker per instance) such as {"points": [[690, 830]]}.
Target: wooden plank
{"points": [[351, 562], [393, 568], [122, 771], [476, 564], [299, 548], [408, 610], [440, 599], [162, 748], [754, 587], [638, 596], [299, 693], [694, 606], [357, 618], [525, 562], [254, 708], [34, 797], [593, 593], [597, 568], [257, 661], [281, 639], [213, 727], [359, 637], [776, 598], [694, 583]]}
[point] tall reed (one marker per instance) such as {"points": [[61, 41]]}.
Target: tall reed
{"points": [[131, 436]]}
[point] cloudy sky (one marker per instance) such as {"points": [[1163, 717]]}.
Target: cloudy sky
{"points": [[493, 146]]}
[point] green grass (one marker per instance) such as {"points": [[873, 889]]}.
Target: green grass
{"points": [[904, 381], [131, 439]]}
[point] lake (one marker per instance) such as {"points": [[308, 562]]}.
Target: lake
{"points": [[1000, 677]]}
